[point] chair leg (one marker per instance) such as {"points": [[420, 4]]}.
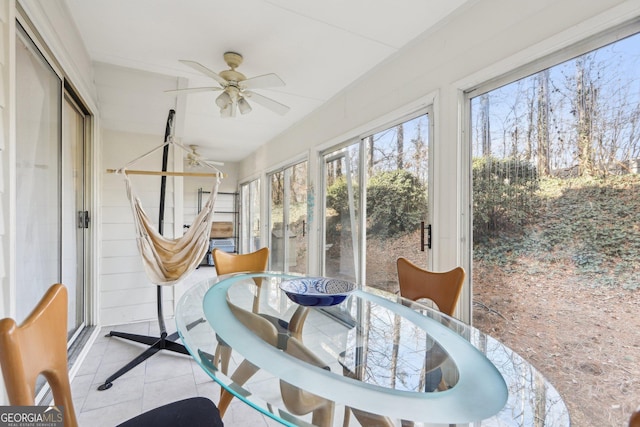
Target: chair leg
{"points": [[241, 375], [222, 357], [323, 416], [347, 416]]}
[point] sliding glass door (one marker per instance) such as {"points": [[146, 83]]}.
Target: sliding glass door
{"points": [[75, 216], [51, 217], [288, 218], [376, 204], [342, 212]]}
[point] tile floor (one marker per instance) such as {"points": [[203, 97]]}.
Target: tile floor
{"points": [[163, 378]]}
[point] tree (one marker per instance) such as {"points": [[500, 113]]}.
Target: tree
{"points": [[485, 123], [543, 122], [584, 109], [400, 147]]}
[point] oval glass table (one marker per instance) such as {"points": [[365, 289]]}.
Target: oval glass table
{"points": [[374, 359]]}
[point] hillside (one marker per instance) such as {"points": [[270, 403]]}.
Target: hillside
{"points": [[564, 293]]}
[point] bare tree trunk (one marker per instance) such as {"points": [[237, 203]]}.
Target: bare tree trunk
{"points": [[400, 147], [370, 147], [331, 174], [528, 154], [583, 110], [420, 156], [543, 123], [486, 130], [277, 188]]}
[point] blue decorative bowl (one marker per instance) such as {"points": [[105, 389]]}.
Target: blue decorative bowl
{"points": [[317, 291]]}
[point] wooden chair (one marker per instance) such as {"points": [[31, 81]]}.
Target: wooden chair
{"points": [[441, 288], [634, 421], [39, 347], [227, 263]]}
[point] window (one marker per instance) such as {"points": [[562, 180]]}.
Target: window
{"points": [[556, 179]]}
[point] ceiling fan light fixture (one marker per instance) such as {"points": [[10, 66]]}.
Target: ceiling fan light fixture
{"points": [[226, 111], [223, 100], [244, 106]]}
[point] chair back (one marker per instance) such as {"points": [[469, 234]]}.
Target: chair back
{"points": [[253, 262], [38, 346], [442, 288], [227, 263]]}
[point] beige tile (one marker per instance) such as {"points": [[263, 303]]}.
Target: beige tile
{"points": [[93, 360], [165, 377], [199, 374], [105, 370], [123, 390], [80, 387], [110, 416], [162, 392], [210, 390], [166, 365], [239, 414], [119, 350]]}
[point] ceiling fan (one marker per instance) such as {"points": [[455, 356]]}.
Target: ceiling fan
{"points": [[194, 158], [236, 88]]}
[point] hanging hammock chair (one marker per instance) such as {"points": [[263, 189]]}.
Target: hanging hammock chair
{"points": [[167, 261]]}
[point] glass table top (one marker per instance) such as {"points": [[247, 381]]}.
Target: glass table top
{"points": [[377, 358]]}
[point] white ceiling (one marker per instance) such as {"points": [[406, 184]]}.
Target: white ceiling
{"points": [[317, 47]]}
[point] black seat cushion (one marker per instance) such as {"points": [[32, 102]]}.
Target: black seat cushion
{"points": [[192, 412]]}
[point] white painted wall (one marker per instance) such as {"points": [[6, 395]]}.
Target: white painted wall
{"points": [[125, 292], [484, 40]]}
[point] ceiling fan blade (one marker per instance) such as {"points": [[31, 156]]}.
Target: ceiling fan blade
{"points": [[261, 82], [206, 71], [193, 90], [212, 162], [269, 103]]}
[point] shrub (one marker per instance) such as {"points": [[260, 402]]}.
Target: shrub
{"points": [[396, 202], [337, 215], [338, 196]]}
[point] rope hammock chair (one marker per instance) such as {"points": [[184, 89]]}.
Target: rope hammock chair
{"points": [[167, 261]]}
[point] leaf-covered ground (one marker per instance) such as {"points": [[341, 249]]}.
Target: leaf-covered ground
{"points": [[565, 293]]}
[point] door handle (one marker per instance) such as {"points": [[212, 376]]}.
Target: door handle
{"points": [[422, 236], [83, 219]]}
